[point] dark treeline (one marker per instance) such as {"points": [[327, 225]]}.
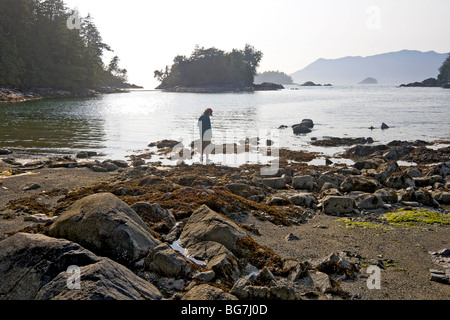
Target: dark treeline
{"points": [[444, 71], [211, 67], [277, 77], [44, 44]]}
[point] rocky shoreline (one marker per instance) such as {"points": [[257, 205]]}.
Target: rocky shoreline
{"points": [[224, 88], [9, 94], [210, 232], [429, 83]]}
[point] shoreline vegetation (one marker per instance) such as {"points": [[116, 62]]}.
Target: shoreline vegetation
{"points": [[306, 232]]}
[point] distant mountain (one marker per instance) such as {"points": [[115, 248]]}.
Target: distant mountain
{"points": [[389, 68]]}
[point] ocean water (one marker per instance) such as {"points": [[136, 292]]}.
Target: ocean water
{"points": [[118, 125]]}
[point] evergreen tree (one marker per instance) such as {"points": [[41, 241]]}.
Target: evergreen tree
{"points": [[38, 49], [444, 71]]}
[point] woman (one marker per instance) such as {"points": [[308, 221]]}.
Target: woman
{"points": [[204, 124]]}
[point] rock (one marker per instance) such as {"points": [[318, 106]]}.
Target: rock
{"points": [[164, 144], [5, 152], [414, 172], [307, 123], [275, 183], [303, 182], [207, 292], [240, 189], [442, 197], [337, 205], [385, 170], [442, 169], [39, 218], [154, 213], [107, 226], [421, 196], [30, 187], [265, 276], [165, 261], [97, 168], [384, 126], [332, 178], [320, 281], [205, 276], [359, 183], [440, 276], [399, 180], [291, 237], [277, 201], [338, 263], [120, 163], [35, 267], [301, 129], [307, 200], [387, 195], [207, 225], [218, 258], [369, 202]]}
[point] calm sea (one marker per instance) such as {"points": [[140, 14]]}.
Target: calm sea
{"points": [[118, 125]]}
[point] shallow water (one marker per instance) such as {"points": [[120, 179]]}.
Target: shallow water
{"points": [[118, 125]]}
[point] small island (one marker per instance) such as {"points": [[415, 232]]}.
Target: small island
{"points": [[369, 80], [212, 70]]}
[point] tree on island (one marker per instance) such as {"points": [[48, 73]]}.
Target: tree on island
{"points": [[444, 71], [277, 77], [44, 44], [211, 67]]}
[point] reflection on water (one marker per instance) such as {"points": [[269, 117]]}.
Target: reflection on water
{"points": [[119, 124]]}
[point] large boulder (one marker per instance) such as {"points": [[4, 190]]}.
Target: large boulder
{"points": [[400, 180], [37, 267], [207, 225], [107, 226], [307, 200], [337, 205]]}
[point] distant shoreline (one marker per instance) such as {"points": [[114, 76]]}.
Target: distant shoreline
{"points": [[223, 88], [13, 94]]}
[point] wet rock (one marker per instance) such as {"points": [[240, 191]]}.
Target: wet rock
{"points": [[301, 128], [164, 144], [303, 182], [368, 164], [384, 126], [337, 205], [442, 169], [206, 292], [154, 213], [207, 225], [107, 226], [359, 183], [35, 267]]}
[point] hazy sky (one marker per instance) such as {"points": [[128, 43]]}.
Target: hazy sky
{"points": [[147, 35]]}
